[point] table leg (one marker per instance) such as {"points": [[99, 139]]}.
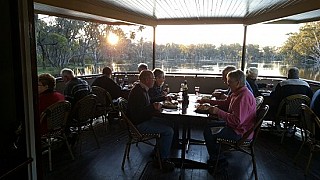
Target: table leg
{"points": [[182, 162]]}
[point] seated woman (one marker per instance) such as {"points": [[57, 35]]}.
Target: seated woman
{"points": [[221, 93], [239, 114], [252, 74], [47, 95], [156, 93]]}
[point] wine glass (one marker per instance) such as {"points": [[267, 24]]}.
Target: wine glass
{"points": [[196, 90], [120, 82]]}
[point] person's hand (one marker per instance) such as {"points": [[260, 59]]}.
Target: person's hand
{"points": [[219, 95], [213, 110], [157, 106], [164, 93], [216, 94], [223, 96], [168, 98], [202, 101]]}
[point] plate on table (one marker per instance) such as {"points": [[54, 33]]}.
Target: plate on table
{"points": [[202, 109], [206, 97], [173, 96], [170, 105]]}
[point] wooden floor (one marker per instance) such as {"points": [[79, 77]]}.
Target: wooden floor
{"points": [[274, 160]]}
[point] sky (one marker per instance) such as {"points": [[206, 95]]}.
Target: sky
{"points": [[261, 34], [264, 35]]}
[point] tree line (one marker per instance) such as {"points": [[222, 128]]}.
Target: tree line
{"points": [[65, 42]]}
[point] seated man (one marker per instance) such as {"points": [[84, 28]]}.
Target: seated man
{"points": [[141, 111], [107, 83], [142, 66], [223, 94], [239, 115], [112, 87], [75, 88], [156, 93], [292, 85]]}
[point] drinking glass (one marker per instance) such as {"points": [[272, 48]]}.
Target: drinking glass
{"points": [[181, 87], [120, 82], [196, 90]]}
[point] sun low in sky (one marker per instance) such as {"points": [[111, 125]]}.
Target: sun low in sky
{"points": [[113, 38]]}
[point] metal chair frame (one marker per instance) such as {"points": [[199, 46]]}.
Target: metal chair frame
{"points": [[83, 114], [259, 101], [56, 116], [244, 145], [292, 111], [134, 137], [104, 104], [310, 121]]}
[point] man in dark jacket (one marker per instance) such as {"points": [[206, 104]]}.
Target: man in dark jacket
{"points": [[292, 85], [141, 111], [107, 83]]}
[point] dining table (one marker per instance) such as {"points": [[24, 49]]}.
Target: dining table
{"points": [[184, 115]]}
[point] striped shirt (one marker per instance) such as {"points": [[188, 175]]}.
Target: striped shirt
{"points": [[76, 89]]}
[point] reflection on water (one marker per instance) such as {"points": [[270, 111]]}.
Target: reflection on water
{"points": [[265, 69], [310, 73]]}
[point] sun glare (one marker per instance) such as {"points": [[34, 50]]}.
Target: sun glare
{"points": [[113, 38]]}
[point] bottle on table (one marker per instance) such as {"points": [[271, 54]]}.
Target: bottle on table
{"points": [[166, 89], [115, 79], [185, 88], [125, 79]]}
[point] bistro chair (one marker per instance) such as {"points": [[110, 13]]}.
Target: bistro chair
{"points": [[134, 137], [122, 107], [114, 110], [289, 112], [56, 116], [310, 122], [244, 145], [82, 116], [259, 101], [103, 104]]}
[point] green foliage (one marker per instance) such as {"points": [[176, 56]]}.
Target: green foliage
{"points": [[65, 42], [302, 45]]}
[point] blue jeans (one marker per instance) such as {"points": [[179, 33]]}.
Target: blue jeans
{"points": [[157, 125], [211, 139]]}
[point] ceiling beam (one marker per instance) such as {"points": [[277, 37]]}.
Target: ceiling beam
{"points": [[89, 18], [99, 8], [301, 7], [101, 11]]}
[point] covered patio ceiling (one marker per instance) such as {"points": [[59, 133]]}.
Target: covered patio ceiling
{"points": [[183, 12]]}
